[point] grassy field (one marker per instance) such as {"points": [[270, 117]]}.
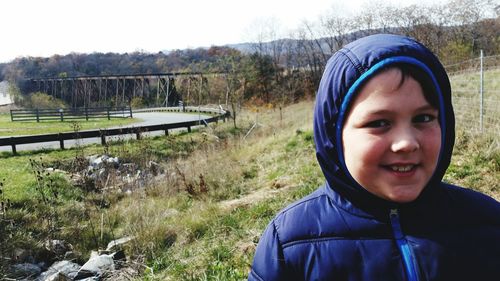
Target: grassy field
{"points": [[202, 219], [204, 173], [9, 128], [467, 103], [476, 161]]}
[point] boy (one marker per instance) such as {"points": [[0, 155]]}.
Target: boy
{"points": [[384, 134]]}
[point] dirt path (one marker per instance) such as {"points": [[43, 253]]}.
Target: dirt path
{"points": [[252, 198]]}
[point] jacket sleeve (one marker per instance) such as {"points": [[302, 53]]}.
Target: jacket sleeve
{"points": [[269, 262]]}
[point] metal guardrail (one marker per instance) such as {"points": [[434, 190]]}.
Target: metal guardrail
{"points": [[103, 133], [69, 114]]}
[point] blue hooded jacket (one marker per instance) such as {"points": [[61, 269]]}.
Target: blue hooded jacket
{"points": [[343, 232]]}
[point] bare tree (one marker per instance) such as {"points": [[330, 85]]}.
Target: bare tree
{"points": [[269, 39], [335, 29], [409, 18], [384, 16], [439, 15], [365, 19], [315, 41], [466, 15], [309, 58]]}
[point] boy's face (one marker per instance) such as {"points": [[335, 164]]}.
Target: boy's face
{"points": [[392, 138]]}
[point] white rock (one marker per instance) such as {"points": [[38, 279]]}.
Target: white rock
{"points": [[61, 270], [118, 242], [96, 266], [26, 270]]}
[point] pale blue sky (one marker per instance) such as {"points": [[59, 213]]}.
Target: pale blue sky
{"points": [[45, 28]]}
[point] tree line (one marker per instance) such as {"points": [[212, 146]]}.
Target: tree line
{"points": [[276, 70]]}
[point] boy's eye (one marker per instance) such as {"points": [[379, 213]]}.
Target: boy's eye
{"points": [[424, 118], [377, 124]]}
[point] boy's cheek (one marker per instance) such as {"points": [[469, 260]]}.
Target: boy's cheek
{"points": [[432, 138]]}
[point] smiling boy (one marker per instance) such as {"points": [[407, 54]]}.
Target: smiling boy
{"points": [[384, 134], [392, 137]]}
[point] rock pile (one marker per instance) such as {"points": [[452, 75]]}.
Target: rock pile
{"points": [[101, 265], [105, 172]]}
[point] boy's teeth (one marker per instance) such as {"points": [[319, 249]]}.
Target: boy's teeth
{"points": [[402, 168]]}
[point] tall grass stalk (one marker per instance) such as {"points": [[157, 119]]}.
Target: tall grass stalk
{"points": [[201, 219]]}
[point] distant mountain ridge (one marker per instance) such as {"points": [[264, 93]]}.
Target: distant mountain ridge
{"points": [[319, 44]]}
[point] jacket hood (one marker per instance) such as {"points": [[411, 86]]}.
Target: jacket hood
{"points": [[346, 71]]}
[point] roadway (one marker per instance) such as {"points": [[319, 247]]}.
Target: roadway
{"points": [[146, 119]]}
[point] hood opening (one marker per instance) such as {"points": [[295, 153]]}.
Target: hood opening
{"points": [[344, 75]]}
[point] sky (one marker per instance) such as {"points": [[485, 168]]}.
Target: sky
{"points": [[44, 28]]}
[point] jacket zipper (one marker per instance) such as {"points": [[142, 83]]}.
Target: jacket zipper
{"points": [[409, 261]]}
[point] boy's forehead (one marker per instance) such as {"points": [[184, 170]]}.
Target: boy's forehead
{"points": [[392, 77], [385, 94], [386, 82]]}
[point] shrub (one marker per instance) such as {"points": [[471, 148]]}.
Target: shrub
{"points": [[137, 102], [43, 100]]}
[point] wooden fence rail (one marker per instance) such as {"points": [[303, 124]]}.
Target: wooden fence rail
{"points": [[62, 114], [103, 133]]}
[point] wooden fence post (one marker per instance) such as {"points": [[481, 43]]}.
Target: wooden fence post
{"points": [[61, 141], [13, 146], [103, 138], [87, 113], [37, 116], [109, 117]]}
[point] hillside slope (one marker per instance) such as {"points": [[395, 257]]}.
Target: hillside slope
{"points": [[220, 187]]}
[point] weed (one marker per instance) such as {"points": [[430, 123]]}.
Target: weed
{"points": [[291, 145], [308, 137], [48, 192], [6, 229], [181, 230], [250, 172], [475, 163]]}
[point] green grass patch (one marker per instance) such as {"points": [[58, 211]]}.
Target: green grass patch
{"points": [[476, 163], [18, 128]]}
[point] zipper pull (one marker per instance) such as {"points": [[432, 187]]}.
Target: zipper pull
{"points": [[396, 226], [409, 262], [393, 212]]}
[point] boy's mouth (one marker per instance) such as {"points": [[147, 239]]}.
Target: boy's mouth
{"points": [[401, 168], [405, 168]]}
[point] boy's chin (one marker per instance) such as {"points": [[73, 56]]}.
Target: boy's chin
{"points": [[405, 197], [400, 195]]}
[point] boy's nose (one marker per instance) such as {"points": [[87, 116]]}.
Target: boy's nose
{"points": [[405, 141]]}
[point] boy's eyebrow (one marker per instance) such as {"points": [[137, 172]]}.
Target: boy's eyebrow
{"points": [[386, 111], [427, 107]]}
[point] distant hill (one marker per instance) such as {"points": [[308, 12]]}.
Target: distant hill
{"points": [[267, 47], [246, 48]]}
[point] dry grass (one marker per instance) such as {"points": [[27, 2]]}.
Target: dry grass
{"points": [[191, 230], [201, 219], [205, 214], [476, 163], [467, 102]]}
